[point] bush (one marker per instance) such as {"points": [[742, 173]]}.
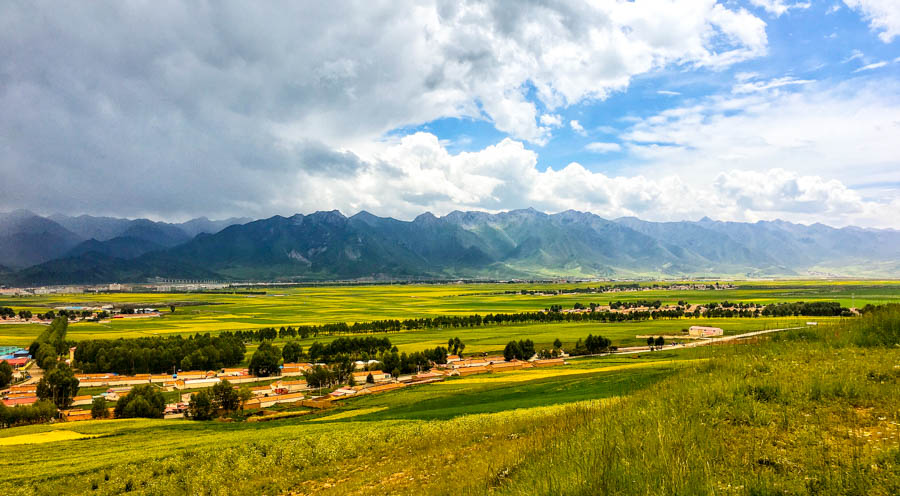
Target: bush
{"points": [[201, 406], [143, 401], [879, 326], [39, 412], [99, 409]]}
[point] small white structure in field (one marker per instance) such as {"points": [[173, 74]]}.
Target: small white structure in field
{"points": [[704, 332], [812, 323]]}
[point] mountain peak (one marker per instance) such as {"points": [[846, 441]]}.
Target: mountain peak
{"points": [[426, 217]]}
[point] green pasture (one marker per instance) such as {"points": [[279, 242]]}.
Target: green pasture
{"points": [[171, 443]]}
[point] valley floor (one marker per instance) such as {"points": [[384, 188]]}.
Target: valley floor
{"points": [[810, 411]]}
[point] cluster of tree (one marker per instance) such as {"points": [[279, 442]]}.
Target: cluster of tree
{"points": [[812, 309], [655, 343], [39, 412], [592, 345], [143, 401], [47, 316], [7, 313], [74, 314], [222, 398], [50, 343], [733, 304], [59, 386], [325, 376], [159, 354], [265, 360], [6, 373], [25, 314], [354, 347], [552, 315], [408, 363], [616, 305], [521, 350], [456, 346], [292, 352], [553, 352]]}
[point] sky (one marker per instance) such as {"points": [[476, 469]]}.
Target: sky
{"points": [[661, 109]]}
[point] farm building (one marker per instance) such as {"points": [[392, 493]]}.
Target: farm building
{"points": [[12, 402], [16, 362], [504, 366], [294, 369], [75, 415], [267, 401], [362, 364], [377, 375], [23, 389], [289, 386], [550, 362], [704, 332], [482, 369]]}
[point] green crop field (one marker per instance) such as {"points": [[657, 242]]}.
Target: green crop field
{"points": [[328, 304]]}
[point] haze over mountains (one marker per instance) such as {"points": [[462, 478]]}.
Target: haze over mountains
{"points": [[520, 243]]}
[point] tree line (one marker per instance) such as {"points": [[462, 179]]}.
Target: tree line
{"points": [[156, 355]]}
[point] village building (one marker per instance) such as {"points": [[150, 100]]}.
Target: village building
{"points": [[704, 332]]}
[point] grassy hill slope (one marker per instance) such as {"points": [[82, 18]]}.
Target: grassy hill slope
{"points": [[814, 411]]}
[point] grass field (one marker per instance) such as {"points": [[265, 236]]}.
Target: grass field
{"points": [[325, 304]]}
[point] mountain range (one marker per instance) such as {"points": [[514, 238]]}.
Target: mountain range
{"points": [[515, 244]]}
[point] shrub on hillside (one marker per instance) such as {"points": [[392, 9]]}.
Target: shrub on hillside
{"points": [[878, 326]]}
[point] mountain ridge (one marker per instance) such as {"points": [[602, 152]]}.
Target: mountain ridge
{"points": [[327, 245]]}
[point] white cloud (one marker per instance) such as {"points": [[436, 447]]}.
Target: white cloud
{"points": [[767, 85], [424, 176], [883, 16], [779, 7], [551, 120], [869, 67], [843, 133], [668, 93], [577, 127], [855, 54], [834, 8], [603, 147]]}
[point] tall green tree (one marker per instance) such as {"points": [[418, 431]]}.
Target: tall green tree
{"points": [[6, 373], [292, 352], [511, 351], [225, 396], [201, 406], [99, 409], [265, 360], [59, 386]]}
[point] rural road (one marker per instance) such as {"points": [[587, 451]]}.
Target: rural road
{"points": [[703, 342], [36, 374]]}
